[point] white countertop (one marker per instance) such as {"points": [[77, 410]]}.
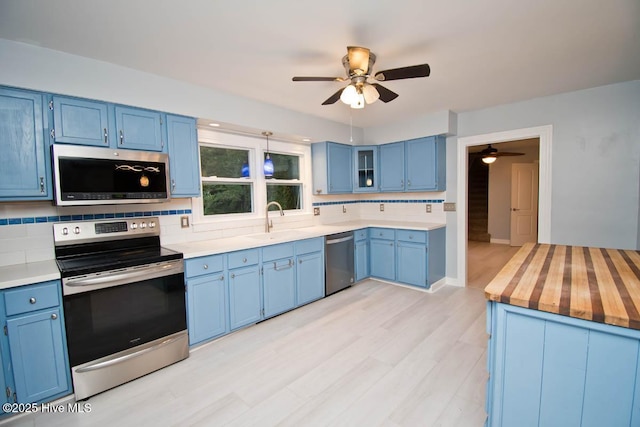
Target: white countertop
{"points": [[229, 244], [29, 273], [35, 272]]}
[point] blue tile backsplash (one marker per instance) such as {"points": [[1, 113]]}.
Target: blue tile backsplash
{"points": [[108, 215]]}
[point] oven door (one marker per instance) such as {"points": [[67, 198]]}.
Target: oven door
{"points": [[110, 312]]}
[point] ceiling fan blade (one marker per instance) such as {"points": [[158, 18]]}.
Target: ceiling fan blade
{"points": [[358, 59], [411, 72], [318, 79], [506, 153], [386, 95], [333, 98]]}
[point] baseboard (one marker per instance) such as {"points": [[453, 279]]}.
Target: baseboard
{"points": [[435, 287], [501, 241], [450, 281]]}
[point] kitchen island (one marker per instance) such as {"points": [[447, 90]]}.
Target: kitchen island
{"points": [[564, 343]]}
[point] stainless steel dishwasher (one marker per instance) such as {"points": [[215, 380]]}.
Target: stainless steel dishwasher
{"points": [[339, 265]]}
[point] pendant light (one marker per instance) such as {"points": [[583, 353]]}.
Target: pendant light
{"points": [[268, 163]]}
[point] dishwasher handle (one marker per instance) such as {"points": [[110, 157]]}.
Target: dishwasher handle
{"points": [[334, 241]]}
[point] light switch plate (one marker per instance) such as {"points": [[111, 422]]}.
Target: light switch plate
{"points": [[450, 207], [184, 221], [344, 209], [381, 207], [316, 211]]}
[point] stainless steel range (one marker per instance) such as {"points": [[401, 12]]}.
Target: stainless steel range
{"points": [[124, 301]]}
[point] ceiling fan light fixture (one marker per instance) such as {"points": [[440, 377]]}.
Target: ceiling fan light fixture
{"points": [[489, 159], [358, 101], [370, 93], [349, 94]]}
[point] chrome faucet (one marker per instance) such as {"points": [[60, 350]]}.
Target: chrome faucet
{"points": [[269, 224]]}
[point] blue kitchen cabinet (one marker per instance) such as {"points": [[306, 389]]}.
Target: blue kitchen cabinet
{"points": [[382, 251], [412, 263], [138, 129], [365, 168], [25, 169], [206, 307], [392, 167], [331, 167], [182, 146], [279, 279], [245, 289], [546, 369], [309, 270], [37, 369], [414, 165], [81, 121], [361, 255]]}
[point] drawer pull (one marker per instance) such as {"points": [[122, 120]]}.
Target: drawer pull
{"points": [[54, 316], [32, 300], [284, 267], [205, 266], [244, 260]]}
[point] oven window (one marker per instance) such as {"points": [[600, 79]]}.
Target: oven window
{"points": [[106, 321]]}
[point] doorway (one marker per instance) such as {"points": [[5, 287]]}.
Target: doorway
{"points": [[544, 135]]}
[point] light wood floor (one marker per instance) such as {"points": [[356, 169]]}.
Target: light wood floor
{"points": [[373, 355], [485, 260]]}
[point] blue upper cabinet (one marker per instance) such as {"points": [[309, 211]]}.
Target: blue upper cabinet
{"points": [[425, 164], [138, 129], [81, 121], [182, 146], [365, 168], [24, 163], [332, 167], [392, 167], [414, 165]]}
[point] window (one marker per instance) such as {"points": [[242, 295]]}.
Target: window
{"points": [[285, 186], [226, 185]]}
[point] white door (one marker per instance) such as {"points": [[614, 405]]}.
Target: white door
{"points": [[524, 203]]}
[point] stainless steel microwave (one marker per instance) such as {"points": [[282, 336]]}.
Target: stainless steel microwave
{"points": [[102, 176]]}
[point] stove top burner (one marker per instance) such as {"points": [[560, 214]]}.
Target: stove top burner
{"points": [[86, 247]]}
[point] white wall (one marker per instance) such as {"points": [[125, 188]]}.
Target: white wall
{"points": [[37, 68], [499, 225]]}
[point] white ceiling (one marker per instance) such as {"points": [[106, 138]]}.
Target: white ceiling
{"points": [[481, 53]]}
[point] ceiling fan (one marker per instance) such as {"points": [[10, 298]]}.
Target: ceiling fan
{"points": [[490, 154], [358, 63]]}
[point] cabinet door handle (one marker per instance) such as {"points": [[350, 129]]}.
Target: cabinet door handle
{"points": [[244, 260], [233, 275], [42, 184], [409, 183], [54, 316], [402, 182], [106, 136], [32, 300], [222, 277], [121, 137], [299, 261], [173, 184]]}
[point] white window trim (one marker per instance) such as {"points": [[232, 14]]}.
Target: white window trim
{"points": [[257, 147]]}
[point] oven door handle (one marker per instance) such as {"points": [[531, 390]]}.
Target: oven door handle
{"points": [[148, 271], [121, 359]]}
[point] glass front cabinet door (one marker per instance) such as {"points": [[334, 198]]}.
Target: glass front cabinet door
{"points": [[366, 169]]}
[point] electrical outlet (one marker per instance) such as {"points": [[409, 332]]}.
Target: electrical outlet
{"points": [[184, 221], [381, 207], [449, 207], [428, 207], [316, 211], [344, 209]]}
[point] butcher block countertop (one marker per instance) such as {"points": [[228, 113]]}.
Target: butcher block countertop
{"points": [[601, 285]]}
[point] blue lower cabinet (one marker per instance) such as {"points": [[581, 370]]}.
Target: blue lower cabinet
{"points": [[245, 301], [552, 370], [412, 264], [361, 255], [206, 307], [279, 282], [309, 278], [34, 350], [383, 256], [38, 355]]}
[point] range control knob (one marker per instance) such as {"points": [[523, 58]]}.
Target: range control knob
{"points": [[152, 224], [65, 231], [134, 225], [143, 225], [76, 230]]}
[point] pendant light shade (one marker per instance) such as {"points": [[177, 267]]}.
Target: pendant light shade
{"points": [[268, 163], [489, 159]]}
